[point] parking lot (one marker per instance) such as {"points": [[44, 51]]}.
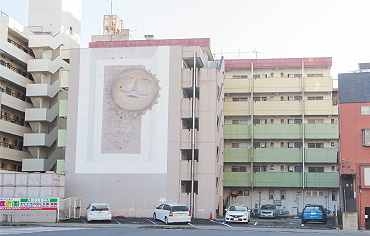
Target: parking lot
{"points": [[280, 222]]}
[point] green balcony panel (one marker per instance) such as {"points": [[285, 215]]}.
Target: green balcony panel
{"points": [[237, 155], [237, 179], [278, 179], [60, 166], [321, 155], [321, 131], [237, 132], [277, 131], [322, 180], [278, 155], [62, 134], [63, 108]]}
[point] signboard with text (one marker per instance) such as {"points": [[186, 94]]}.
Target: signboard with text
{"points": [[28, 203]]}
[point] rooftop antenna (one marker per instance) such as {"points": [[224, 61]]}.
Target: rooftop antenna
{"points": [[256, 52]]}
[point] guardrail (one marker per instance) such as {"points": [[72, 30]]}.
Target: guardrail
{"points": [[16, 95], [12, 146], [17, 70], [25, 49], [14, 121]]}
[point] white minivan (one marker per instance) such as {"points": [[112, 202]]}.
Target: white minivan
{"points": [[172, 213]]}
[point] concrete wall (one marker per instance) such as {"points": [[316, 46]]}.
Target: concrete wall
{"points": [[350, 221], [23, 216]]}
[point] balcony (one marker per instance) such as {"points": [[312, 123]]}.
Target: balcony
{"points": [[277, 85], [321, 131], [24, 49], [237, 132], [16, 102], [12, 152], [42, 114], [237, 155], [19, 71], [237, 109], [278, 179], [322, 180], [277, 131], [320, 107], [64, 79], [321, 155], [43, 90], [237, 179], [278, 155], [237, 86], [318, 84], [15, 127], [270, 108]]}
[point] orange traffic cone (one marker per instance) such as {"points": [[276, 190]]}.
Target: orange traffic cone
{"points": [[210, 216]]}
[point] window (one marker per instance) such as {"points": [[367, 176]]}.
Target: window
{"points": [[281, 74], [333, 168], [240, 99], [264, 75], [264, 98], [334, 196], [315, 75], [332, 121], [297, 121], [240, 76], [316, 98], [366, 137], [332, 144], [242, 169], [282, 144], [3, 165], [290, 145], [298, 169], [298, 98], [365, 110], [290, 75], [256, 98], [243, 145], [297, 75], [246, 192], [235, 145], [290, 121], [315, 194], [263, 144], [282, 121], [281, 168], [315, 145], [272, 75], [272, 167], [239, 122], [271, 194], [316, 169], [263, 168], [282, 194], [256, 169], [315, 121], [256, 145], [235, 169], [272, 121], [256, 76], [281, 98], [256, 121], [298, 145], [186, 186], [238, 168], [272, 144]]}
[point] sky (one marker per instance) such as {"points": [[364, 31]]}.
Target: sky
{"points": [[274, 28]]}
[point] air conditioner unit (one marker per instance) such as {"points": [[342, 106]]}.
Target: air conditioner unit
{"points": [[234, 193], [285, 144], [263, 144]]}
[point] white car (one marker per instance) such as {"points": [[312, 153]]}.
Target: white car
{"points": [[98, 211], [172, 213], [238, 213]]}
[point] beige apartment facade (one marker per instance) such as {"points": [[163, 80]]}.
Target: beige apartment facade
{"points": [[281, 133], [134, 126]]}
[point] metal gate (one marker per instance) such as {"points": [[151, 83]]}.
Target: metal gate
{"points": [[69, 208]]}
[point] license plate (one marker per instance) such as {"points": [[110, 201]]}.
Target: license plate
{"points": [[313, 213]]}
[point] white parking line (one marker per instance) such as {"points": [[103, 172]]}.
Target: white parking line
{"points": [[223, 223], [190, 224], [116, 221], [152, 222]]}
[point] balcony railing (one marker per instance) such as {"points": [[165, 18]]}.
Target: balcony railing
{"points": [[12, 146], [14, 121], [17, 70], [25, 49], [16, 95]]}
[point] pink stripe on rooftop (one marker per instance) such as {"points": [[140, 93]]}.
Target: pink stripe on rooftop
{"points": [[281, 62], [202, 42]]}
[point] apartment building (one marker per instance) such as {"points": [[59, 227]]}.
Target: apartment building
{"points": [[145, 126], [48, 93], [34, 80], [280, 133], [14, 56], [354, 101]]}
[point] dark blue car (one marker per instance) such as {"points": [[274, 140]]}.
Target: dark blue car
{"points": [[314, 213]]}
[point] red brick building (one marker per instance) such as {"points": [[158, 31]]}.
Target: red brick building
{"points": [[354, 151]]}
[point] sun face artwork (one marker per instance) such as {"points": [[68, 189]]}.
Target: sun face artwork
{"points": [[129, 91]]}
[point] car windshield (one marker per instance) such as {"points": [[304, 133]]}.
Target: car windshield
{"points": [[237, 208], [267, 207], [180, 208], [99, 208], [313, 208]]}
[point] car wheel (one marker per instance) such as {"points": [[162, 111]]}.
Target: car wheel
{"points": [[166, 220], [154, 216], [303, 222], [325, 222]]}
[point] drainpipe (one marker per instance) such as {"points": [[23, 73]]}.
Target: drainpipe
{"points": [[193, 138], [252, 131], [303, 139]]}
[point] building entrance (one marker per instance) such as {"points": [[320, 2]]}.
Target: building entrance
{"points": [[367, 217]]}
